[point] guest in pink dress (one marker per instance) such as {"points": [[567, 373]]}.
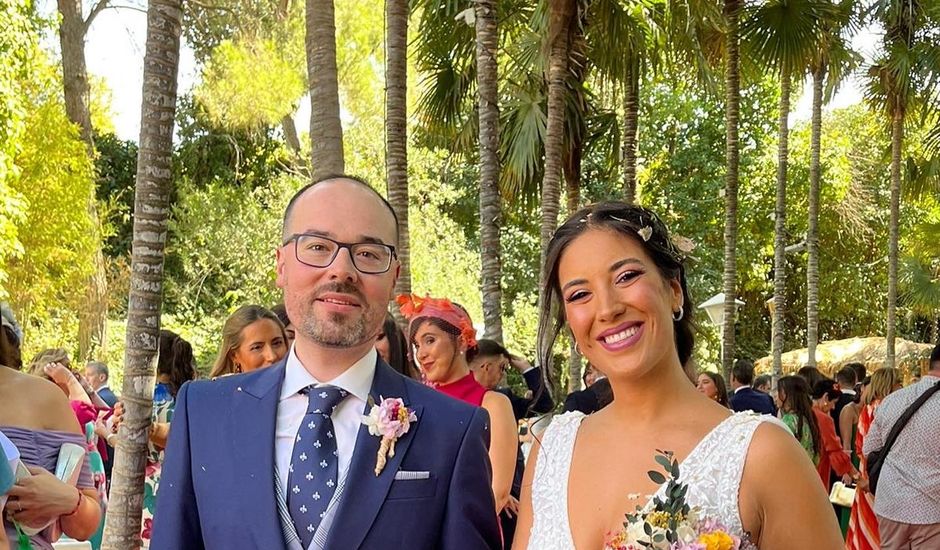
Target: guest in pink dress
{"points": [[443, 334]]}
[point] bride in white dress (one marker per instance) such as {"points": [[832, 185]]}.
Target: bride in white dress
{"points": [[617, 281]]}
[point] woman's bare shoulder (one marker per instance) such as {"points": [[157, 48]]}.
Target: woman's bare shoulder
{"points": [[43, 404], [495, 399]]}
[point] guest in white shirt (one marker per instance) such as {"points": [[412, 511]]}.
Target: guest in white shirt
{"points": [[907, 501]]}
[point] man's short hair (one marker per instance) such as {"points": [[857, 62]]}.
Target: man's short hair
{"points": [[860, 371], [763, 380], [353, 179], [846, 377], [935, 358], [743, 372], [99, 368]]}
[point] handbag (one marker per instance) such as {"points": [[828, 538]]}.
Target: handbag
{"points": [[842, 494], [875, 459]]}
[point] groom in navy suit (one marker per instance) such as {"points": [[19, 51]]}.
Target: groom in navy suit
{"points": [[279, 457]]}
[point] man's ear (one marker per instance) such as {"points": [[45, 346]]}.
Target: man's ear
{"points": [[281, 278]]}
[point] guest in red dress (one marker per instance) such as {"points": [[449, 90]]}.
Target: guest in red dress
{"points": [[443, 334]]}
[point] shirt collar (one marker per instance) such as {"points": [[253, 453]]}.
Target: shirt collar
{"points": [[357, 379], [741, 388], [847, 392]]}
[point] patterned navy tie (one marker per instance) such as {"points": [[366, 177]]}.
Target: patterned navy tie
{"points": [[312, 477]]}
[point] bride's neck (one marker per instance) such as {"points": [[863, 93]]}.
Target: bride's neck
{"points": [[646, 398]]}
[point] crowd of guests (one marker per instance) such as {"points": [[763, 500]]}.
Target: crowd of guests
{"points": [[838, 422], [445, 357]]}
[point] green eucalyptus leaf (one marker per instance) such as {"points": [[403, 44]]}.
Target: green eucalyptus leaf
{"points": [[656, 477]]}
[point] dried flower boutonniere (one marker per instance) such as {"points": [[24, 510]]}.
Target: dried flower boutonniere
{"points": [[389, 419]]}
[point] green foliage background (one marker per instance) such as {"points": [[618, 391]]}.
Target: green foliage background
{"points": [[233, 175]]}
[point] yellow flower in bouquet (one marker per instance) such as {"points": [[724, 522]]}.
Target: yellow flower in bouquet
{"points": [[717, 540]]}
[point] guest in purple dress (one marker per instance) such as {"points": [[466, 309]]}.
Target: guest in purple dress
{"points": [[37, 418]]}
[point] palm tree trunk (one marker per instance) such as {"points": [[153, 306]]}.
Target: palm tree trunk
{"points": [[935, 330], [812, 231], [631, 94], [574, 367], [487, 44], [562, 15], [897, 141], [780, 218], [572, 172], [326, 130], [732, 159], [151, 216], [396, 134]]}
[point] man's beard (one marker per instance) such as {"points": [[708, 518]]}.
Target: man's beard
{"points": [[337, 330]]}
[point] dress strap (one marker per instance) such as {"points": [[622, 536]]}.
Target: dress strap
{"points": [[714, 469], [550, 484]]}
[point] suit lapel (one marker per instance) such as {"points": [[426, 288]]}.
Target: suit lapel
{"points": [[365, 492], [253, 421]]}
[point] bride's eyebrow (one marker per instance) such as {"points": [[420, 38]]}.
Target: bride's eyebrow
{"points": [[613, 267]]}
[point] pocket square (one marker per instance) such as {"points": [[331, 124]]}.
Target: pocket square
{"points": [[407, 475]]}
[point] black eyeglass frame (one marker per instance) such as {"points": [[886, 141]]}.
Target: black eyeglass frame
{"points": [[295, 238]]}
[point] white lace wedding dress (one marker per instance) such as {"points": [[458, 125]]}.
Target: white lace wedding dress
{"points": [[712, 471]]}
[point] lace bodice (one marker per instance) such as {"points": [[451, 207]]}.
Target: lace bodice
{"points": [[712, 471]]}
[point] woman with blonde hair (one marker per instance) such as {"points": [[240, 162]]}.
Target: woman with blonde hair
{"points": [[863, 525], [252, 338]]}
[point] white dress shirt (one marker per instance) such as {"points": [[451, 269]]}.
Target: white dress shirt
{"points": [[347, 417]]}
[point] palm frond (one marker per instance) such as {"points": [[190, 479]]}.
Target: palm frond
{"points": [[784, 34], [921, 286]]}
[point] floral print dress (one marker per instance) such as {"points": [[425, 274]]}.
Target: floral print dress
{"points": [[163, 405]]}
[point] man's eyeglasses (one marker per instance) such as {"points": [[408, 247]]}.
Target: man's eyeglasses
{"points": [[318, 251]]}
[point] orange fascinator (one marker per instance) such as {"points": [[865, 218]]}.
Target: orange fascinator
{"points": [[415, 307]]}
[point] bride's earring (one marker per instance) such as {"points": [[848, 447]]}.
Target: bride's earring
{"points": [[678, 315]]}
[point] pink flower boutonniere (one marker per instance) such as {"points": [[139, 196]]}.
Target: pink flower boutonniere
{"points": [[390, 420]]}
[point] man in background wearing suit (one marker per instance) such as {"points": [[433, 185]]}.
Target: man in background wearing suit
{"points": [[746, 398], [846, 380], [96, 373], [489, 365], [97, 376], [279, 457], [596, 393]]}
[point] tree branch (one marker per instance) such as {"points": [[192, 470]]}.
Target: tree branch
{"points": [[99, 6]]}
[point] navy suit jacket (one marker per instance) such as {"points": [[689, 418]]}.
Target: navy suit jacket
{"points": [[589, 399], [749, 399], [217, 485], [541, 401], [107, 396]]}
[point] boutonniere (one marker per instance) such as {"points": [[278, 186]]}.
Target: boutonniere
{"points": [[390, 420]]}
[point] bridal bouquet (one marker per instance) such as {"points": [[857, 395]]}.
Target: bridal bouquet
{"points": [[671, 524]]}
